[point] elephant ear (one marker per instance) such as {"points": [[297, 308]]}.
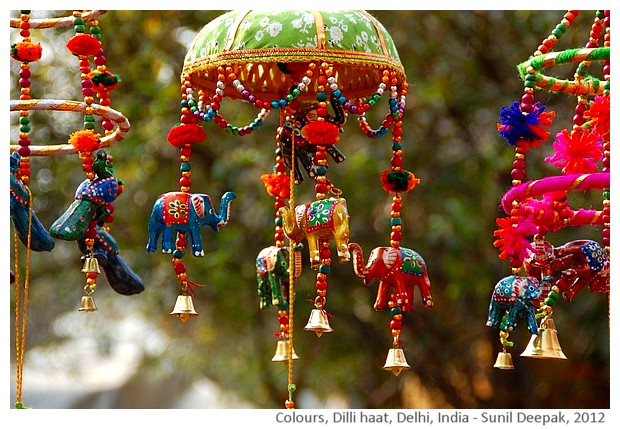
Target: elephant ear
{"points": [[199, 205], [390, 256]]}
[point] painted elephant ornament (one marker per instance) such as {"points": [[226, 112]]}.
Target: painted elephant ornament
{"points": [[184, 212], [398, 270], [272, 275], [572, 266], [320, 220], [516, 297]]}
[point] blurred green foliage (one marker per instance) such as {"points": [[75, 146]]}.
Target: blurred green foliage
{"points": [[461, 67]]}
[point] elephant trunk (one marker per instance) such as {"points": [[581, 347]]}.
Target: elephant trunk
{"points": [[225, 208], [358, 260], [290, 225]]}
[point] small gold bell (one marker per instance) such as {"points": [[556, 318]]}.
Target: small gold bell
{"points": [[318, 323], [91, 265], [184, 308], [282, 352], [504, 361], [396, 361], [545, 345], [87, 304]]}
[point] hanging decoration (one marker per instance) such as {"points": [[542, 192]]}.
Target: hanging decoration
{"points": [[316, 69], [84, 221], [543, 272]]}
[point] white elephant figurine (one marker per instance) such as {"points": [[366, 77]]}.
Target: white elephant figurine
{"points": [[185, 212]]}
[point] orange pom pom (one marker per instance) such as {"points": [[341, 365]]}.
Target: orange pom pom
{"points": [[85, 141], [26, 51]]}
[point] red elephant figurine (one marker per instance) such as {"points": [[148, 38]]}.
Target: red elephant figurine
{"points": [[398, 269], [572, 266]]}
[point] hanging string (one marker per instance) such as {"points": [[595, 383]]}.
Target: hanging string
{"points": [[20, 328], [291, 288]]}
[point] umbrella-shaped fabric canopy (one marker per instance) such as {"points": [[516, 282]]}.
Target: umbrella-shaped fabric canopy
{"points": [[263, 47]]}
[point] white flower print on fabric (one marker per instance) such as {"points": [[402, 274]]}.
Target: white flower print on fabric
{"points": [[305, 23]]}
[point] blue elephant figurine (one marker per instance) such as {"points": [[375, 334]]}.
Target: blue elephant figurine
{"points": [[25, 221], [272, 274], [184, 212], [120, 277], [91, 201], [516, 297]]}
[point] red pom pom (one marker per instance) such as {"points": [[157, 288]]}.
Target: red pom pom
{"points": [[186, 134], [321, 133], [83, 44]]}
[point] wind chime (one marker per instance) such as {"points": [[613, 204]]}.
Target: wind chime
{"points": [[84, 221], [316, 68], [542, 272]]}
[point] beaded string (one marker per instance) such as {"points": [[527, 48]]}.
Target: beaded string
{"points": [[25, 52], [185, 181], [83, 46]]}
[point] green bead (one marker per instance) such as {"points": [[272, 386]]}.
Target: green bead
{"points": [[550, 302], [395, 310], [186, 166], [95, 30], [371, 102], [553, 295], [557, 33], [395, 221], [324, 269], [561, 27], [321, 96], [606, 194], [78, 21], [89, 118], [89, 125], [296, 92], [502, 327], [79, 28], [24, 120], [24, 128], [278, 221], [290, 97]]}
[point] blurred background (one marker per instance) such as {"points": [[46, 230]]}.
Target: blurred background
{"points": [[461, 68]]}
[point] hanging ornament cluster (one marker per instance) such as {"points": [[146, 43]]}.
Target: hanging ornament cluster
{"points": [[315, 69], [542, 273], [86, 219]]}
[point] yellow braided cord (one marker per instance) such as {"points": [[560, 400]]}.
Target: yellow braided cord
{"points": [[20, 334], [291, 275]]}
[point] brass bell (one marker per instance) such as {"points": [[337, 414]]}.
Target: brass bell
{"points": [[184, 308], [318, 323], [504, 361], [545, 344], [91, 265], [87, 304], [396, 361], [282, 352]]}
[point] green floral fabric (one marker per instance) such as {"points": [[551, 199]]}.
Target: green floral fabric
{"points": [[353, 31]]}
